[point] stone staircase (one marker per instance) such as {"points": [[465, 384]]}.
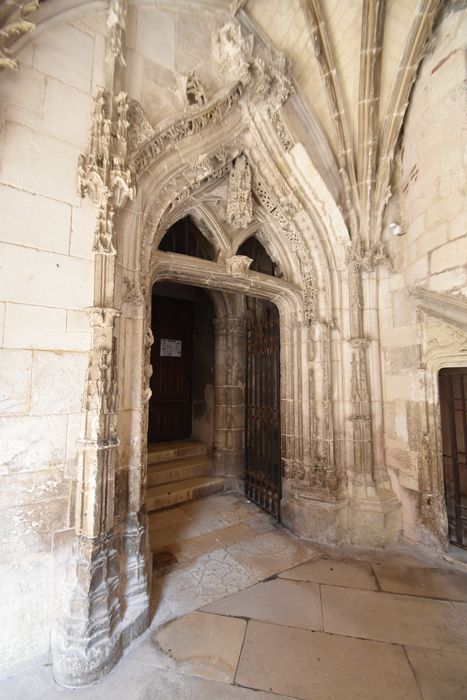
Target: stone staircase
{"points": [[179, 471]]}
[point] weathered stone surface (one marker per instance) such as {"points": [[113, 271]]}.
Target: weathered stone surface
{"points": [[57, 382], [31, 443], [15, 376], [24, 595], [29, 528], [31, 487]]}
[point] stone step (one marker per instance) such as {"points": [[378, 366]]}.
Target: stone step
{"points": [[178, 470], [188, 490], [176, 449]]}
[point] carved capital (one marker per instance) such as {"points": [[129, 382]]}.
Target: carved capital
{"points": [[102, 317]]}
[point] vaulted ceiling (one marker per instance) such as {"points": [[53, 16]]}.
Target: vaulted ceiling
{"points": [[354, 62]]}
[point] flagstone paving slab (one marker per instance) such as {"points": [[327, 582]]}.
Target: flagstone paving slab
{"points": [[312, 665], [427, 582], [198, 644], [293, 603], [393, 618], [337, 573], [441, 675]]}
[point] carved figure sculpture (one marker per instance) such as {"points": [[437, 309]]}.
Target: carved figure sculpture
{"points": [[239, 201], [195, 92]]}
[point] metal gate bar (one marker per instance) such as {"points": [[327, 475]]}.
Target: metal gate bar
{"points": [[453, 399], [263, 450]]}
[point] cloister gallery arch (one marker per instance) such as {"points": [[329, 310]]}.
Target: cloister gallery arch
{"points": [[230, 165]]}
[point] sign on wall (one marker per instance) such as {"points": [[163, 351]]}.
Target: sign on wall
{"points": [[171, 348]]}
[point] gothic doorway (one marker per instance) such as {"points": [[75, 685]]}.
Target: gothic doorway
{"points": [[262, 434], [453, 406]]}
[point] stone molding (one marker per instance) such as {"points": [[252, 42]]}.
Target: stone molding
{"points": [[166, 137], [448, 308]]}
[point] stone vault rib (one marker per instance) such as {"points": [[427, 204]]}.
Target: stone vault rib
{"points": [[327, 65]]}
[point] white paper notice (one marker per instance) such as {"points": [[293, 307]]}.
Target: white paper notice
{"points": [[171, 348]]}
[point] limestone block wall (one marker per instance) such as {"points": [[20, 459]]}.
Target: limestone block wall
{"points": [[432, 254], [161, 48], [46, 282]]}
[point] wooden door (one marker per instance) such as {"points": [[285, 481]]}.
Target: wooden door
{"points": [[171, 359], [453, 405], [263, 444]]}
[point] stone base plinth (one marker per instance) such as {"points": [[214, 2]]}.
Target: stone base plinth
{"points": [[374, 517], [319, 521]]}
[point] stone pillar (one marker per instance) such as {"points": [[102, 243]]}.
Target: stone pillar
{"points": [[229, 411], [87, 640], [136, 557], [313, 504], [89, 633], [374, 509]]}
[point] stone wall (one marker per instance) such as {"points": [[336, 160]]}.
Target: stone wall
{"points": [[46, 283], [431, 254], [46, 280]]}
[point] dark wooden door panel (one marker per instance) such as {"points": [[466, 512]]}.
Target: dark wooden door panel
{"points": [[171, 359], [453, 406], [263, 448]]}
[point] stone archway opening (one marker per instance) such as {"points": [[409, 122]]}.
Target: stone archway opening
{"points": [[214, 410]]}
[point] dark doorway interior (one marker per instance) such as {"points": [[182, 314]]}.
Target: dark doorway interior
{"points": [[182, 357], [453, 405], [171, 359]]}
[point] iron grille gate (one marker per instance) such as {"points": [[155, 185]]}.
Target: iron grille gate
{"points": [[453, 405], [263, 445]]}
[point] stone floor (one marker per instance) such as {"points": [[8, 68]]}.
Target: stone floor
{"points": [[245, 611]]}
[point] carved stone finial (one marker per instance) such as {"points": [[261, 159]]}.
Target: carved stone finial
{"points": [[195, 92], [233, 52], [266, 78], [104, 231], [103, 172], [239, 200], [13, 24], [139, 130], [116, 30]]}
